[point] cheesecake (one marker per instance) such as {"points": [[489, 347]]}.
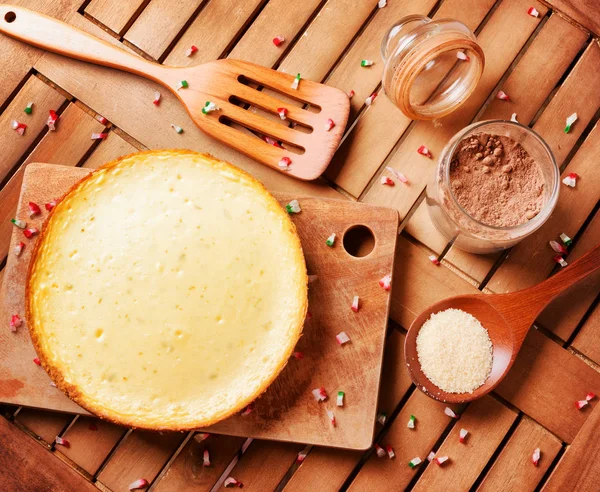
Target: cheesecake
{"points": [[167, 291]]}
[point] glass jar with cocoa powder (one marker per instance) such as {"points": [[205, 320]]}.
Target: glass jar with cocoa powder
{"points": [[496, 182]]}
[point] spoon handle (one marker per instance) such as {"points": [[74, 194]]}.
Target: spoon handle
{"points": [[53, 35]]}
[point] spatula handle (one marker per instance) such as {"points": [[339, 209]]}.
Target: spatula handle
{"points": [[53, 35]]}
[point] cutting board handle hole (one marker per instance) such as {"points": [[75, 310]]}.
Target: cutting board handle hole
{"points": [[359, 241], [10, 17]]}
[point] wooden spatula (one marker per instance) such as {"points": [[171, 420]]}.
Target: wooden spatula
{"points": [[219, 82]]}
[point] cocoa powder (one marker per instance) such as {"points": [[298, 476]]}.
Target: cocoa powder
{"points": [[496, 181]]}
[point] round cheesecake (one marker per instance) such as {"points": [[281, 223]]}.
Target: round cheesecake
{"points": [[167, 291]]}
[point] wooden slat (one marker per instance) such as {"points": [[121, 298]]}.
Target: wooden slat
{"points": [[586, 12], [26, 466], [158, 25], [67, 145], [44, 424], [546, 381], [488, 421], [278, 18], [513, 469], [578, 469], [141, 455], [12, 144], [114, 14], [395, 381], [379, 473], [188, 472], [587, 340], [265, 463], [111, 148], [564, 314], [89, 448], [531, 261], [382, 124], [212, 31]]}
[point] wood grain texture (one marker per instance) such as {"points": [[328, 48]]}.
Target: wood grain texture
{"points": [[22, 461], [114, 14], [110, 149], [91, 440], [46, 425], [587, 340], [395, 381], [531, 261], [188, 470], [513, 469], [140, 455], [488, 421], [159, 24], [379, 473], [586, 12], [578, 468]]}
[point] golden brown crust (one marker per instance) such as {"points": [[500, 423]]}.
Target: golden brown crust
{"points": [[73, 392]]}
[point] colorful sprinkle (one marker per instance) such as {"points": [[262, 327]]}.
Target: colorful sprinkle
{"points": [[462, 435], [301, 457], [340, 399], [570, 120], [177, 129], [320, 394], [293, 207], [15, 322], [366, 63], [503, 96], [285, 163], [50, 205], [386, 282], [182, 84], [272, 141], [19, 248], [37, 361], [248, 410], [411, 422], [397, 174], [535, 457], [19, 223], [18, 127], [414, 462], [382, 3], [329, 125], [99, 136], [62, 442], [355, 305], [52, 119], [390, 452], [448, 411], [32, 231], [351, 94], [232, 482], [296, 82], [342, 338], [330, 240], [282, 113], [381, 418], [434, 259], [424, 151], [462, 56], [277, 40], [156, 101], [298, 355], [331, 416], [205, 458], [560, 260], [532, 11], [441, 460], [191, 50], [590, 396], [201, 436], [29, 108], [513, 118], [559, 248], [102, 119], [380, 451], [571, 179], [581, 403], [209, 107], [369, 100], [141, 483], [430, 456], [53, 384], [566, 240], [385, 180]]}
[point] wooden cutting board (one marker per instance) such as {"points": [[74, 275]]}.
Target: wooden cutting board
{"points": [[287, 411]]}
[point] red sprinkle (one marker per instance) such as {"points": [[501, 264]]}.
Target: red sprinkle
{"points": [[329, 125], [63, 442], [386, 180], [503, 96], [15, 322], [298, 355], [424, 151], [32, 231], [441, 460], [50, 205], [278, 40], [532, 11], [283, 112], [232, 482], [142, 483], [101, 119], [19, 248], [590, 396], [33, 209], [93, 427], [248, 410], [434, 259], [580, 404], [351, 94], [37, 361]]}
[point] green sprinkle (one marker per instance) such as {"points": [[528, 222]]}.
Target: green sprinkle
{"points": [[29, 108], [330, 240], [566, 239], [183, 85], [293, 207]]}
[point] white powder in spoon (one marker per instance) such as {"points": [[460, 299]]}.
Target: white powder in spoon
{"points": [[455, 351]]}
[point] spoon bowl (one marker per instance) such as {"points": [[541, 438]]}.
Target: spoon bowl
{"points": [[507, 319]]}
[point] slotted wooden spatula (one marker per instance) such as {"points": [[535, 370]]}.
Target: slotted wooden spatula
{"points": [[219, 82]]}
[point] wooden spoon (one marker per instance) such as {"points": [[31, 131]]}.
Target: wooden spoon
{"points": [[221, 82], [507, 318]]}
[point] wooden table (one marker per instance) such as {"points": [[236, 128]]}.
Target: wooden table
{"points": [[550, 66]]}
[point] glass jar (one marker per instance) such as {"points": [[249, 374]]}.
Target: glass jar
{"points": [[466, 232], [431, 66]]}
